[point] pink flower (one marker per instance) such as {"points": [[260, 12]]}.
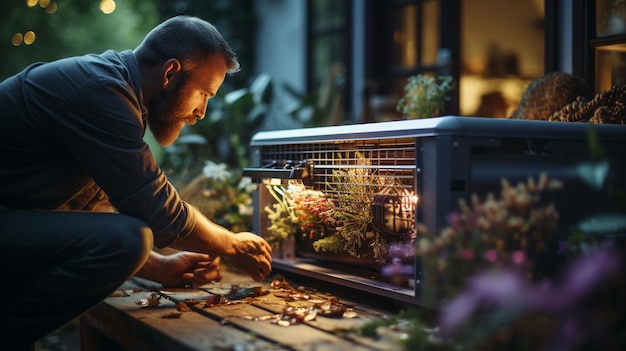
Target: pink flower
{"points": [[518, 257], [491, 256]]}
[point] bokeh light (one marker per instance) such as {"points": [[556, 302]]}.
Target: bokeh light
{"points": [[31, 3], [29, 37], [52, 8], [107, 6], [44, 3], [17, 39]]}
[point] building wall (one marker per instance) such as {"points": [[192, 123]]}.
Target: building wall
{"points": [[281, 49], [281, 40]]}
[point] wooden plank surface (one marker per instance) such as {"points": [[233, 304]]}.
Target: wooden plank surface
{"points": [[143, 328], [228, 326]]}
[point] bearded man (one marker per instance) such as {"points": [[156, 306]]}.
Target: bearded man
{"points": [[82, 199]]}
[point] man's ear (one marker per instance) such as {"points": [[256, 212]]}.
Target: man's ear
{"points": [[171, 71]]}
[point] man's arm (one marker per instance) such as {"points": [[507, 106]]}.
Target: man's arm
{"points": [[245, 251]]}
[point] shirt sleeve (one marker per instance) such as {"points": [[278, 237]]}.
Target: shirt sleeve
{"points": [[102, 129]]}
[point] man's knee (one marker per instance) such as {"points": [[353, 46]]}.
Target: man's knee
{"points": [[135, 240], [122, 245]]}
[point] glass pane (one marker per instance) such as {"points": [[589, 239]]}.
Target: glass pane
{"points": [[610, 17], [502, 51], [405, 36], [327, 52], [328, 13], [430, 34], [416, 36], [610, 66]]}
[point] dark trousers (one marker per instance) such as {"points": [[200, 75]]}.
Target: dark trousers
{"points": [[54, 266]]}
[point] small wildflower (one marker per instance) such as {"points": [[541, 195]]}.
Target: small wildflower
{"points": [[491, 256], [216, 171], [518, 257]]}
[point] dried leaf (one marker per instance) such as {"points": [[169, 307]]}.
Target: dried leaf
{"points": [[153, 299], [182, 307]]}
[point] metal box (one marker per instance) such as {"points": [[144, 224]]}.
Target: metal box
{"points": [[414, 171]]}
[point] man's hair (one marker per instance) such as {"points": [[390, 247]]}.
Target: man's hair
{"points": [[188, 39]]}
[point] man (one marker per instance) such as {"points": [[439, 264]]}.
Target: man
{"points": [[82, 200]]}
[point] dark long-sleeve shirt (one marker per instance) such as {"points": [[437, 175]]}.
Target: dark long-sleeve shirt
{"points": [[71, 135]]}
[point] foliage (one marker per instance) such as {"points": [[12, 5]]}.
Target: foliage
{"points": [[297, 210], [356, 188], [223, 196], [425, 96], [496, 232], [340, 222], [320, 107], [76, 27]]}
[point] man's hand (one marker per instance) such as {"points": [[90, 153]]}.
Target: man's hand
{"points": [[252, 255], [245, 251], [181, 268]]}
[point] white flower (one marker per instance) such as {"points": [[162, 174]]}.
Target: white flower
{"points": [[216, 171], [246, 185], [245, 210]]}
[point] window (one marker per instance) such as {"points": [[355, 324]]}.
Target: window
{"points": [[491, 48], [609, 44], [329, 52]]}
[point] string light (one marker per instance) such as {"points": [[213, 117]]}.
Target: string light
{"points": [[107, 6], [17, 39], [52, 8], [29, 37]]}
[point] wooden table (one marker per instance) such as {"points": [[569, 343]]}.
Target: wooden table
{"points": [[119, 323]]}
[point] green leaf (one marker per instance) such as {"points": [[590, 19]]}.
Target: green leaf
{"points": [[260, 88], [234, 96]]}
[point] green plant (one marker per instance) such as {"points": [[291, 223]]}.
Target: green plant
{"points": [[340, 222], [222, 195], [297, 210], [425, 96]]}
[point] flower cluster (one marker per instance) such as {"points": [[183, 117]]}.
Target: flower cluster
{"points": [[491, 295], [298, 210], [341, 222], [498, 232], [223, 195]]}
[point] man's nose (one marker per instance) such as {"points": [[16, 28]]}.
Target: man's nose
{"points": [[201, 111]]}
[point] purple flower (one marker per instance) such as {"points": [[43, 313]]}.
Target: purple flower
{"points": [[489, 289], [397, 269], [496, 290], [587, 272]]}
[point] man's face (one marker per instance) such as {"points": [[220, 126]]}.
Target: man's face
{"points": [[183, 99]]}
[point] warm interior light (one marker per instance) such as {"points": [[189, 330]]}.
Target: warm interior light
{"points": [[272, 181]]}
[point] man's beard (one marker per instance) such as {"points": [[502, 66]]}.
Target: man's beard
{"points": [[165, 118]]}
